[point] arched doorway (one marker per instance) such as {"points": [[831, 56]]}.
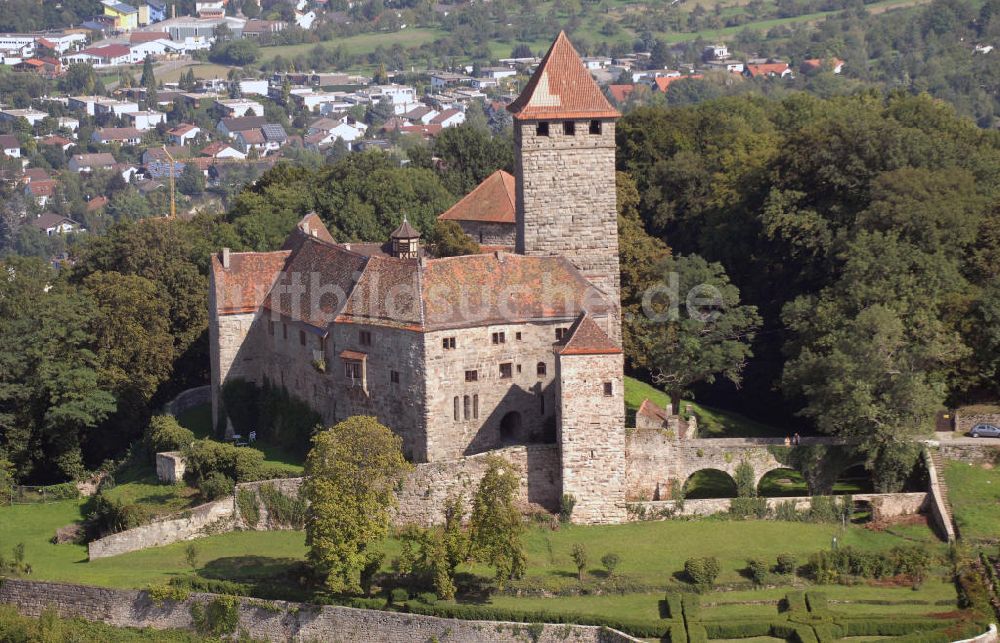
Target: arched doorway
{"points": [[709, 483], [510, 428], [782, 483]]}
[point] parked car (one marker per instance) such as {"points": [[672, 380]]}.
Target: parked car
{"points": [[985, 431]]}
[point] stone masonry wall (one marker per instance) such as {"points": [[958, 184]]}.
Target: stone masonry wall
{"points": [[190, 524], [985, 452], [965, 420], [566, 200], [490, 234], [591, 429], [187, 399], [884, 505], [280, 620]]}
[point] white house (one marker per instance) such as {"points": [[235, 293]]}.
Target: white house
{"points": [[305, 20], [252, 87], [220, 150], [53, 224], [239, 107], [326, 101], [115, 107], [10, 145], [30, 115], [68, 123], [106, 56], [145, 120], [449, 118], [183, 134]]}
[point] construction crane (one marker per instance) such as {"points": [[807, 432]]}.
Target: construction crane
{"points": [[173, 201]]}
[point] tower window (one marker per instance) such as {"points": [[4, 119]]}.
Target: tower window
{"points": [[560, 333], [475, 406], [302, 337], [365, 337], [499, 338], [506, 372], [595, 127], [471, 376], [542, 129], [270, 328], [456, 409], [540, 369], [394, 377], [517, 336], [569, 128], [448, 343], [284, 330], [609, 389], [468, 407], [352, 370], [541, 402]]}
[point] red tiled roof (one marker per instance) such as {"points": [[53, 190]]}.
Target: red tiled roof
{"points": [[139, 37], [50, 220], [108, 51], [621, 92], [765, 69], [814, 64], [243, 287], [424, 130], [356, 355], [310, 226], [325, 270], [561, 87], [56, 140], [663, 82], [97, 203], [252, 137], [213, 149], [492, 201], [182, 129], [42, 188], [585, 337], [36, 174], [118, 133]]}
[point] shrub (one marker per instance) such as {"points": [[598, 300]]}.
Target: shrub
{"points": [[165, 434], [399, 596], [785, 510], [610, 562], [108, 516], [787, 564], [674, 609], [427, 598], [702, 572], [219, 617], [579, 556], [692, 607], [757, 570], [241, 464], [215, 485], [246, 502], [566, 504], [748, 508], [163, 592]]}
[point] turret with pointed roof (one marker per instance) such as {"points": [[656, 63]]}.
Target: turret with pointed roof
{"points": [[564, 137], [405, 241]]}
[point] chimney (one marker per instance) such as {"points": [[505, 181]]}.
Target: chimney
{"points": [[225, 258]]}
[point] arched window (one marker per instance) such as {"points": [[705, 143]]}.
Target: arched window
{"points": [[468, 407], [475, 406], [540, 369], [456, 409]]}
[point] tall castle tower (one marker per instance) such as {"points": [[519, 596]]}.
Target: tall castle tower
{"points": [[564, 140]]}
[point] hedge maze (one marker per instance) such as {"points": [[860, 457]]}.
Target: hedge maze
{"points": [[805, 617]]}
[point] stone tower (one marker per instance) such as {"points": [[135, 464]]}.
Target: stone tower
{"points": [[564, 140], [590, 425]]}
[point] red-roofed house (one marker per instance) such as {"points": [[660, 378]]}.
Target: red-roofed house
{"points": [[814, 65], [106, 56], [41, 191], [183, 134], [620, 93], [664, 82], [768, 70]]}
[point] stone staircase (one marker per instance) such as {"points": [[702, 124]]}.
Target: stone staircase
{"points": [[939, 491]]}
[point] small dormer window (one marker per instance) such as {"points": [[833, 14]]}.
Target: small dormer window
{"points": [[569, 128], [542, 129], [595, 127]]}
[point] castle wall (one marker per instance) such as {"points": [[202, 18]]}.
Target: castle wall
{"points": [[230, 354], [397, 404], [490, 234], [566, 200], [591, 430], [526, 393]]}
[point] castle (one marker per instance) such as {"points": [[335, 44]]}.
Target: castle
{"points": [[462, 355]]}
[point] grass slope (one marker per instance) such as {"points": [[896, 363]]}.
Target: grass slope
{"points": [[360, 44], [975, 500], [712, 422]]}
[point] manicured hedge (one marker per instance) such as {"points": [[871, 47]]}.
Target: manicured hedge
{"points": [[676, 633], [795, 602], [696, 633], [674, 606], [636, 627], [738, 629], [692, 609]]}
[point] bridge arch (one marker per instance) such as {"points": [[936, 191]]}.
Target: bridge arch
{"points": [[782, 482], [709, 483], [853, 478]]}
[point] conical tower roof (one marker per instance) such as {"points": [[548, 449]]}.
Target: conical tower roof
{"points": [[405, 231], [561, 88]]}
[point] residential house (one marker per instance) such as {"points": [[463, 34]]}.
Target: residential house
{"points": [[421, 115], [620, 93], [159, 48], [41, 191], [238, 107], [220, 150], [157, 10], [35, 174], [69, 124], [252, 87], [326, 102], [231, 126], [145, 119], [45, 66], [449, 118], [10, 146], [57, 141], [497, 73], [251, 139], [210, 8], [442, 79], [663, 82], [814, 65], [596, 62], [125, 17], [158, 154], [183, 134], [91, 162], [769, 69], [731, 66], [30, 115], [114, 107], [258, 29], [274, 136], [105, 56], [53, 224], [119, 135]]}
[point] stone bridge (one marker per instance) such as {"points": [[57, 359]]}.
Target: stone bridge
{"points": [[655, 459]]}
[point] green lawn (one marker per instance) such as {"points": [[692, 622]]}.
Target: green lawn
{"points": [[975, 500], [712, 422], [360, 44]]}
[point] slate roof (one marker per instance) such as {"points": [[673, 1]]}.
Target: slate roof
{"points": [[405, 231], [585, 337], [492, 201], [9, 142], [50, 220], [99, 158], [561, 87], [243, 123]]}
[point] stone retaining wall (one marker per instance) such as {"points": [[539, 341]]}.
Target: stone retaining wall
{"points": [[283, 621], [985, 452], [188, 399], [214, 516], [966, 419], [170, 467], [884, 505]]}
